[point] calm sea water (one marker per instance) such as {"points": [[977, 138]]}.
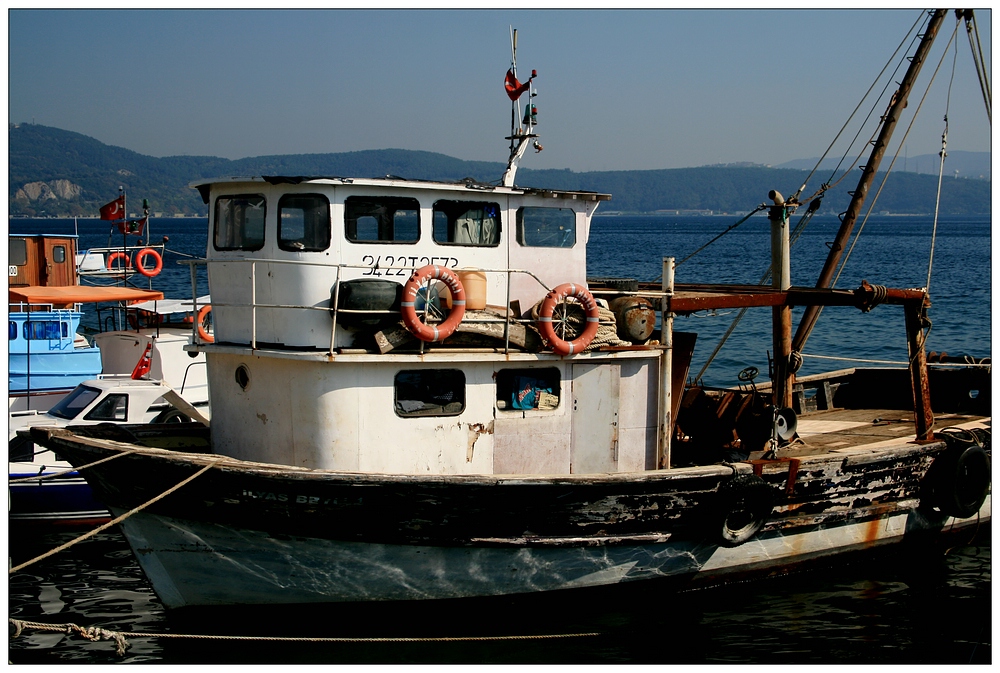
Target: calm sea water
{"points": [[898, 607]]}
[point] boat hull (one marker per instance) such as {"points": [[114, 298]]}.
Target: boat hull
{"points": [[191, 563], [240, 533], [64, 500]]}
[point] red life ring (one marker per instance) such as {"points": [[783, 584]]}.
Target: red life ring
{"points": [[418, 328], [118, 254], [556, 296], [200, 321], [141, 255]]}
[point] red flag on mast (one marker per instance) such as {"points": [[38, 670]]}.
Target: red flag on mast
{"points": [[513, 86], [114, 210], [144, 364]]}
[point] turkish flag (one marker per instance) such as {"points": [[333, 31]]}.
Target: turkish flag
{"points": [[144, 364], [114, 210], [514, 87], [132, 226]]}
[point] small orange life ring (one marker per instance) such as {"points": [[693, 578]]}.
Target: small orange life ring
{"points": [[560, 346], [118, 254], [200, 321], [413, 323], [143, 254]]}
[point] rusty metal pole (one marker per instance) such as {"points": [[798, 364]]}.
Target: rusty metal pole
{"points": [[858, 196], [781, 316], [923, 415]]}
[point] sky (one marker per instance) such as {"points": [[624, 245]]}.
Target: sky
{"points": [[617, 89]]}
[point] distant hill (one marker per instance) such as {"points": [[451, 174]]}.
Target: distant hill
{"points": [[975, 165], [57, 172]]}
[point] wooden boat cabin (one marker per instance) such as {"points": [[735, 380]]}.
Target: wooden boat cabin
{"points": [[40, 259]]}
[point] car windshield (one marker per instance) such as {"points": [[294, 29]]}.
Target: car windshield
{"points": [[78, 400]]}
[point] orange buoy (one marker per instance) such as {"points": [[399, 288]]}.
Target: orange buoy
{"points": [[556, 296], [413, 323], [142, 255], [202, 332]]}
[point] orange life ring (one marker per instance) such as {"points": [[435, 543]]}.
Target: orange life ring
{"points": [[560, 346], [417, 327], [141, 255], [200, 321], [118, 254]]}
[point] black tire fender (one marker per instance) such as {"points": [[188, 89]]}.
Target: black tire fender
{"points": [[958, 480], [743, 507]]}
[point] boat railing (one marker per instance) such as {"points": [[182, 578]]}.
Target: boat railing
{"points": [[332, 305]]}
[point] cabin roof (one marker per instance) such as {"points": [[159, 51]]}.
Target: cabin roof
{"points": [[79, 294], [395, 182]]}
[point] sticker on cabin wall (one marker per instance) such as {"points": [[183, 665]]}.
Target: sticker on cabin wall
{"points": [[11, 270], [377, 264]]}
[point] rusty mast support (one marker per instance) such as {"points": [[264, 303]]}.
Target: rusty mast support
{"points": [[781, 316], [868, 174], [923, 416]]}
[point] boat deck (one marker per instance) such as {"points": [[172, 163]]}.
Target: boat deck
{"points": [[829, 430]]}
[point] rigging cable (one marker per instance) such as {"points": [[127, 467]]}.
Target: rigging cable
{"points": [[977, 57], [943, 153]]}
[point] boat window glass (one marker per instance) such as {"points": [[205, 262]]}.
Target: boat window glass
{"points": [[534, 388], [303, 222], [111, 408], [78, 400], [546, 227], [430, 392], [45, 329], [469, 223], [12, 331], [371, 219], [59, 254], [239, 222], [18, 252]]}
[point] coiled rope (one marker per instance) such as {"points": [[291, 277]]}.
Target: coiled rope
{"points": [[96, 633], [116, 520]]}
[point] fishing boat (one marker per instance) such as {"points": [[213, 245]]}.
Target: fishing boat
{"points": [[418, 394]]}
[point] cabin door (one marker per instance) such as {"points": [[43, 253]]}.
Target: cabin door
{"points": [[59, 263], [595, 419]]}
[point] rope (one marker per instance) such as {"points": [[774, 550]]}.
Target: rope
{"points": [[96, 633], [980, 62], [574, 321], [70, 470], [943, 153], [116, 520]]}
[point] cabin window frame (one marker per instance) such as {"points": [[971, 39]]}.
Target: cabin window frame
{"points": [[507, 386], [59, 254], [430, 411], [351, 223], [69, 407], [318, 244], [451, 218], [242, 233], [529, 241], [12, 331], [115, 403], [42, 330], [21, 252]]}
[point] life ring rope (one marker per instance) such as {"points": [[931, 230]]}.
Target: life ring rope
{"points": [[200, 323], [545, 313], [412, 321], [142, 255]]}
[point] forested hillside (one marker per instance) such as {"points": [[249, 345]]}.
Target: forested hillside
{"points": [[56, 172]]}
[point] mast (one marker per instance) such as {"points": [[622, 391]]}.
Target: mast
{"points": [[520, 130], [896, 107]]}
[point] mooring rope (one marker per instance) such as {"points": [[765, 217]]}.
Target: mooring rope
{"points": [[95, 633], [70, 470], [116, 520]]}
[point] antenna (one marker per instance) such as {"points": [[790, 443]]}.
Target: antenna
{"points": [[521, 129]]}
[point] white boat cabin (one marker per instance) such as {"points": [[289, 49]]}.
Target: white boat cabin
{"points": [[294, 382]]}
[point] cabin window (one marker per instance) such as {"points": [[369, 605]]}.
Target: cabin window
{"points": [[430, 392], [470, 223], [12, 331], [386, 219], [546, 227], [18, 252], [303, 222], [59, 254], [78, 400], [520, 389], [111, 408], [239, 222], [45, 329]]}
